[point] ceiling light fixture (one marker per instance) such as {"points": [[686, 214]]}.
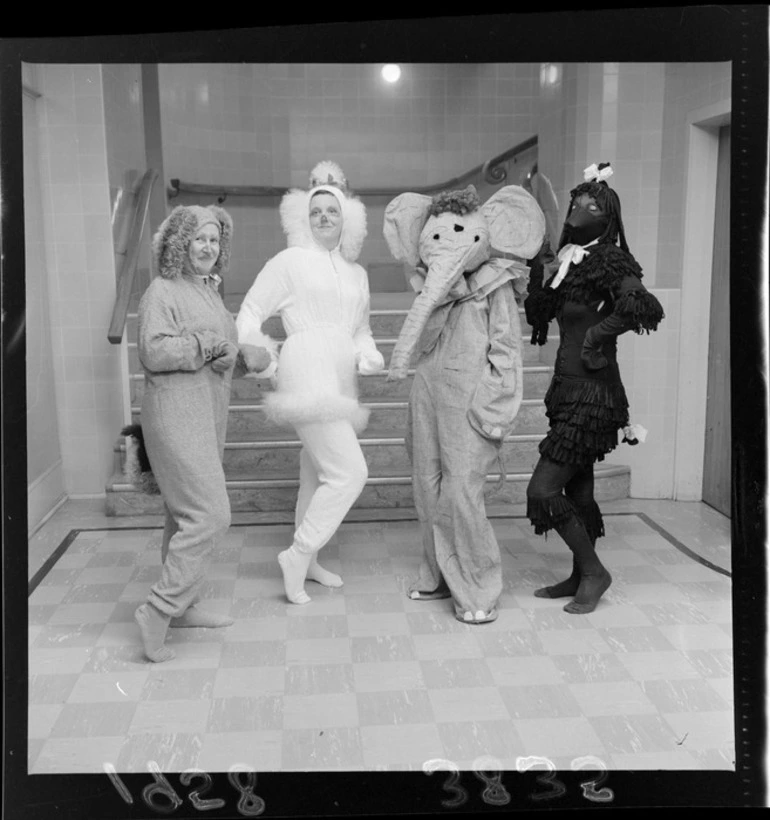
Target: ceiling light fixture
{"points": [[391, 73]]}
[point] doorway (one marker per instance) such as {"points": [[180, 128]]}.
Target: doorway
{"points": [[717, 474]]}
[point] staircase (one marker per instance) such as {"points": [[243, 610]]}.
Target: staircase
{"points": [[262, 461]]}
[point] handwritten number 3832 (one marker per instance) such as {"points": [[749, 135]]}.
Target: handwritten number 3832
{"points": [[495, 794]]}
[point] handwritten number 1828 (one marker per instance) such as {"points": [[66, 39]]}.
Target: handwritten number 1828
{"points": [[162, 798]]}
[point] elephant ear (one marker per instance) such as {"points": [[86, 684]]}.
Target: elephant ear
{"points": [[405, 217], [516, 222]]}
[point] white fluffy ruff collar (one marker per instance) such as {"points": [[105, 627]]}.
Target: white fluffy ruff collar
{"points": [[295, 220]]}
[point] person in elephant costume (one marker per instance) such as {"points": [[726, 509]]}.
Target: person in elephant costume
{"points": [[464, 332]]}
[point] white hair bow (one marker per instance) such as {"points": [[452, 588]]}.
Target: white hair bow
{"points": [[593, 174]]}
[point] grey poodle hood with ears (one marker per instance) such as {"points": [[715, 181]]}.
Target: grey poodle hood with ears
{"points": [[295, 212], [172, 240]]}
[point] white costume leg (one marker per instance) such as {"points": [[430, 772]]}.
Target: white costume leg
{"points": [[341, 469], [308, 484]]}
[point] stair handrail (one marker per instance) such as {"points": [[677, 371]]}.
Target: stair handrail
{"points": [[493, 172], [127, 270]]}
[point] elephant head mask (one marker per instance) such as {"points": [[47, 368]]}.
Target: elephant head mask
{"points": [[452, 234]]}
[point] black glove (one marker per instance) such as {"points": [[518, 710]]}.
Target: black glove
{"points": [[539, 333], [591, 354], [609, 329]]}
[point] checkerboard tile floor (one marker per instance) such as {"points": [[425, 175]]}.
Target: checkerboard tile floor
{"points": [[363, 678]]}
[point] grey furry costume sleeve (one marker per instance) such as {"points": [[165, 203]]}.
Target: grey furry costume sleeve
{"points": [[498, 395], [164, 345]]}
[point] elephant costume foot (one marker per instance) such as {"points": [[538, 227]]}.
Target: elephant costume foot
{"points": [[478, 617], [425, 595]]}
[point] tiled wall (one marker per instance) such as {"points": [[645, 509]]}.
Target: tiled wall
{"points": [[607, 112], [688, 86], [652, 145], [268, 124], [649, 366], [126, 158], [123, 120], [45, 479], [81, 269], [633, 115]]}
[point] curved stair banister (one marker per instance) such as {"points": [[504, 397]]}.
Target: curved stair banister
{"points": [[130, 260], [492, 171]]}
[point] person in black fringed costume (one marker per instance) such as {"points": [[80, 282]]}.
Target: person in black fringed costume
{"points": [[595, 295]]}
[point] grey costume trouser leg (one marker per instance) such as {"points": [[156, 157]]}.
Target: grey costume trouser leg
{"points": [[450, 464], [422, 445], [169, 530], [186, 459]]}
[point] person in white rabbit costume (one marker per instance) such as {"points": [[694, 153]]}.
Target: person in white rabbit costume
{"points": [[464, 328], [322, 296]]}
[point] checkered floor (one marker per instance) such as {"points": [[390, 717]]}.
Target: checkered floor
{"points": [[363, 678]]}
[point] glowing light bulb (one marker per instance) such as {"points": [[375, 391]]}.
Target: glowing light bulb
{"points": [[549, 74], [391, 73]]}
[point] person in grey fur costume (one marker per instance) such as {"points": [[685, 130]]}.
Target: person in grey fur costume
{"points": [[188, 349]]}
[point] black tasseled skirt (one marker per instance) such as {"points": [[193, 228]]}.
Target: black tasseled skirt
{"points": [[546, 514], [585, 416]]}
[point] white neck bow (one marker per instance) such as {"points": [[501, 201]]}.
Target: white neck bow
{"points": [[567, 255]]}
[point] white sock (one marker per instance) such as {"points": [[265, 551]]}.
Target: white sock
{"points": [[317, 573], [294, 565]]}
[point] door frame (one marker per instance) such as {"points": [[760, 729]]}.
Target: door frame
{"points": [[703, 126]]}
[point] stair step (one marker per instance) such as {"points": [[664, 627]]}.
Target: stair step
{"points": [[248, 421], [532, 355], [279, 494], [373, 388], [262, 460], [385, 322], [254, 458]]}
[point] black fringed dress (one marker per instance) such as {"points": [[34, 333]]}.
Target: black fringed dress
{"points": [[600, 297]]}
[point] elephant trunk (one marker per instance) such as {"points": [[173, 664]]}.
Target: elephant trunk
{"points": [[442, 275]]}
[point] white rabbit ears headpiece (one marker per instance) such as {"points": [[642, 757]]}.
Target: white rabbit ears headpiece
{"points": [[326, 177]]}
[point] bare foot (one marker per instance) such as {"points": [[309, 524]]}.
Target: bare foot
{"points": [[564, 589], [153, 626], [194, 617], [591, 589]]}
